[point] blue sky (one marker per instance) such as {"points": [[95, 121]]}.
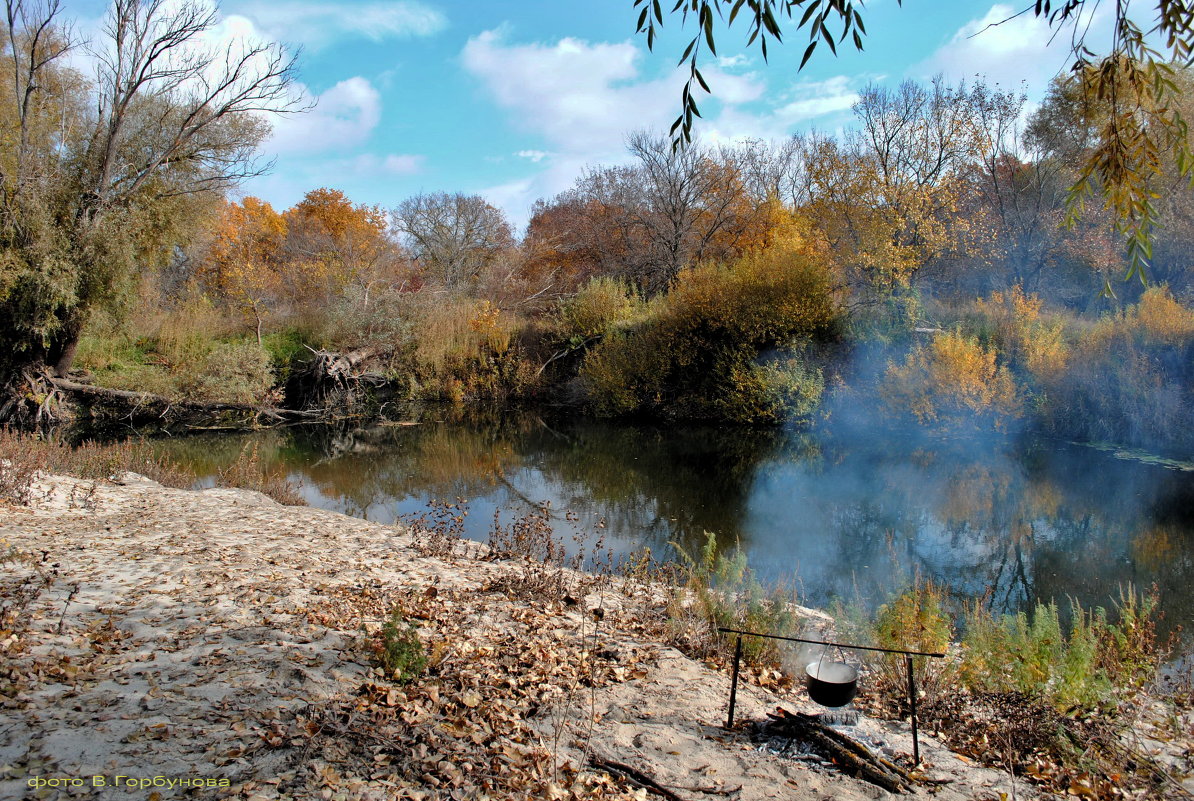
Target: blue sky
{"points": [[511, 100]]}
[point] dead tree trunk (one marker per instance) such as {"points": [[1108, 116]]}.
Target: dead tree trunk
{"points": [[331, 381]]}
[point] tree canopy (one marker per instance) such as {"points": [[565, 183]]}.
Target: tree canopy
{"points": [[100, 170], [1137, 127]]}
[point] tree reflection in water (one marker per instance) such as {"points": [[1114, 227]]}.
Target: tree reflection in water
{"points": [[854, 519]]}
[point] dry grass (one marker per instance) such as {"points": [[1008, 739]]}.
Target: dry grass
{"points": [[24, 456], [249, 472]]}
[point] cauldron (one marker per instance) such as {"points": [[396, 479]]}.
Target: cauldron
{"points": [[831, 683]]}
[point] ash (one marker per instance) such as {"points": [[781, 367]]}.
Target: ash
{"points": [[770, 739]]}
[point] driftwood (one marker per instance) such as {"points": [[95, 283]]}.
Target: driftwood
{"points": [[849, 755], [634, 776], [330, 380]]}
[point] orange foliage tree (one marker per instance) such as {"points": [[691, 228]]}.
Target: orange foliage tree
{"points": [[646, 222], [245, 257], [332, 243]]}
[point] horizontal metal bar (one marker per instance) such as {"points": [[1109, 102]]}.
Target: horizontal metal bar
{"points": [[834, 644]]}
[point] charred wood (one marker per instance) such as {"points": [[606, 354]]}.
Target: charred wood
{"points": [[851, 756]]}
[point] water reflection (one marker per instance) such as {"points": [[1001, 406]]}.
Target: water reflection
{"points": [[849, 519]]}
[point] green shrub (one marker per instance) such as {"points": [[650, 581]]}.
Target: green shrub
{"points": [[917, 619], [401, 652], [1087, 668], [230, 372], [790, 389], [719, 590], [285, 348], [600, 305], [695, 354]]}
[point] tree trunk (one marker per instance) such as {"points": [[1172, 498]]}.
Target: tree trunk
{"points": [[66, 345]]}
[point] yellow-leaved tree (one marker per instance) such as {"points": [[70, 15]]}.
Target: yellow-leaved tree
{"points": [[245, 258]]}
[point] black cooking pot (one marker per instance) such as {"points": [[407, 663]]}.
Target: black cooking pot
{"points": [[831, 683]]}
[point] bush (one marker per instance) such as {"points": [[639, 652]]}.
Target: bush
{"points": [[248, 472], [791, 389], [401, 652], [955, 380], [918, 619], [719, 590], [285, 349], [1014, 325], [1030, 654], [23, 456], [231, 373], [696, 353], [600, 305], [1163, 319], [467, 349], [1131, 379]]}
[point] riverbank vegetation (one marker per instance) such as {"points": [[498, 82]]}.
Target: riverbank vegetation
{"points": [[920, 265], [23, 457], [1059, 698]]}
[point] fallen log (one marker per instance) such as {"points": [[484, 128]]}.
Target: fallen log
{"points": [[851, 756], [130, 406]]}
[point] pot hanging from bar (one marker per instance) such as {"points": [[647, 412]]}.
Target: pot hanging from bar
{"points": [[831, 683]]}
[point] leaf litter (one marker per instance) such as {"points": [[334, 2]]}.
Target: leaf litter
{"points": [[218, 634]]}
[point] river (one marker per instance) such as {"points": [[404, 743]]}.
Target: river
{"points": [[852, 519]]}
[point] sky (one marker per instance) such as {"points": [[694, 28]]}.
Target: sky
{"points": [[512, 99]]}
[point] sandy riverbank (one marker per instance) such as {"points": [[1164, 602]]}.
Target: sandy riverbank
{"points": [[215, 638]]}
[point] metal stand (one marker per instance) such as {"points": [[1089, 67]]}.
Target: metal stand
{"points": [[734, 682], [912, 704], [907, 663]]}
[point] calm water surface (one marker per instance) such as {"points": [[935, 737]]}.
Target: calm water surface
{"points": [[852, 518]]}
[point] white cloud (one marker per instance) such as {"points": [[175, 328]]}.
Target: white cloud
{"points": [[734, 61], [808, 100], [391, 163], [402, 164], [798, 105], [318, 24], [343, 116], [1006, 48], [583, 98]]}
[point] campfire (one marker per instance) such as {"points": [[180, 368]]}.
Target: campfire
{"points": [[818, 739]]}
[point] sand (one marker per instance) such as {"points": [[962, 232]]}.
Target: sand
{"points": [[188, 634]]}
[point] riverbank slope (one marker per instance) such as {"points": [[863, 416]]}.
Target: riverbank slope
{"points": [[218, 638]]}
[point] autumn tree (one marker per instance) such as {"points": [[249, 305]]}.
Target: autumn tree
{"points": [[245, 257], [646, 221], [454, 237], [1143, 131], [332, 243], [1064, 131], [887, 194], [98, 171], [563, 242]]}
